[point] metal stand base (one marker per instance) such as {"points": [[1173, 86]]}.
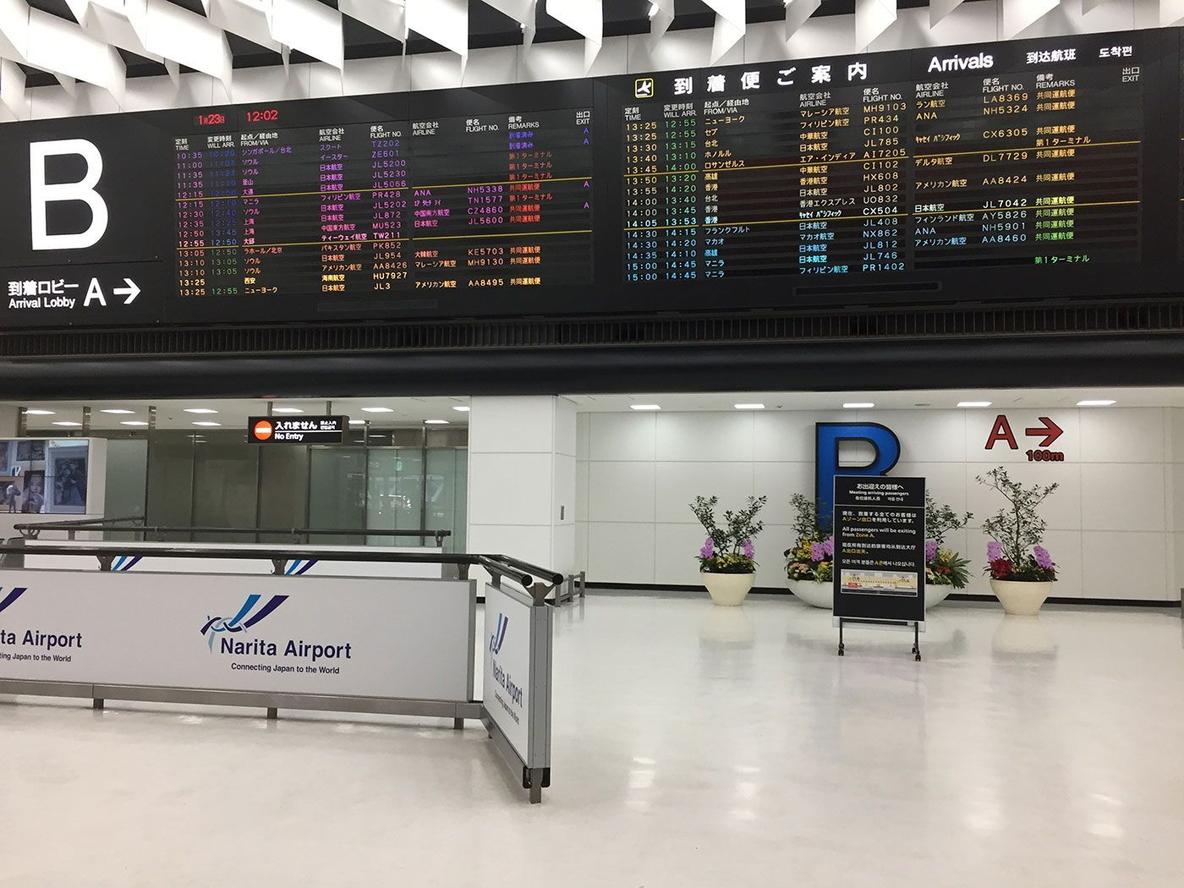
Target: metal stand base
{"points": [[97, 703], [458, 724], [916, 651], [272, 713]]}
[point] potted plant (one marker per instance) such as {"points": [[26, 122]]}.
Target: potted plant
{"points": [[809, 563], [945, 569], [1021, 570], [726, 558]]}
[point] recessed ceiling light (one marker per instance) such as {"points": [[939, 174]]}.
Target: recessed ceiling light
{"points": [[974, 403], [859, 405], [435, 422], [645, 406], [36, 412], [133, 422], [118, 411], [208, 425], [378, 410], [200, 410], [1099, 402], [69, 425], [357, 422], [286, 410], [749, 406], [462, 408]]}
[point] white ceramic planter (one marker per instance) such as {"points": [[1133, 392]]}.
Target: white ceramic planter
{"points": [[1021, 599], [728, 590], [823, 594], [813, 593]]}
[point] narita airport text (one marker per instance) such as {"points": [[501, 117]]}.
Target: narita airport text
{"points": [[293, 648], [45, 640]]}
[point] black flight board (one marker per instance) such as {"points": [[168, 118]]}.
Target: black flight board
{"points": [[888, 163], [1034, 169]]}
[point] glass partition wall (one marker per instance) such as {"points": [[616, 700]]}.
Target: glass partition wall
{"points": [[395, 479]]}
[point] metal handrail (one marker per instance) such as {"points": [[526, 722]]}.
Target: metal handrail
{"points": [[32, 530], [520, 572]]}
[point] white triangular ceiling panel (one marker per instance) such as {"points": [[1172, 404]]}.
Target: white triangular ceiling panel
{"points": [[729, 26]]}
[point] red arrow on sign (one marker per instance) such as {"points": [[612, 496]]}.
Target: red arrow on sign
{"points": [[1050, 430]]}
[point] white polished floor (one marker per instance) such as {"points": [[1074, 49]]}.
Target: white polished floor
{"points": [[693, 746]]}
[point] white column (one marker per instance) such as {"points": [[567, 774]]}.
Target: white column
{"points": [[9, 417], [522, 479]]}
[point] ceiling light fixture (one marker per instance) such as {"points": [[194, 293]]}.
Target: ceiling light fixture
{"points": [[200, 410], [134, 422], [435, 422], [378, 410], [118, 411], [286, 410], [1099, 402], [749, 406], [209, 425], [39, 412], [461, 408], [859, 405], [69, 425], [645, 406], [357, 422], [974, 403]]}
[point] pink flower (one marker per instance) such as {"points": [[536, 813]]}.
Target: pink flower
{"points": [[930, 550], [817, 552], [1042, 557], [747, 549], [994, 551], [708, 550], [828, 546]]}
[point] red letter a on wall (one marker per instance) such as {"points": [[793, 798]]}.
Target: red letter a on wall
{"points": [[1001, 431]]}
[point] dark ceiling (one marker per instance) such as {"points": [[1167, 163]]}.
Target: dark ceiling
{"points": [[487, 27]]}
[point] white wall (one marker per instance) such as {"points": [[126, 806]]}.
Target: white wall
{"points": [[521, 496], [825, 35], [1113, 528]]}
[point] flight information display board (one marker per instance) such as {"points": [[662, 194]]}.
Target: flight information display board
{"points": [[385, 208], [885, 164], [1035, 169]]}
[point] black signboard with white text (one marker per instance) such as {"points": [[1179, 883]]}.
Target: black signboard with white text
{"points": [[297, 429], [879, 568], [1033, 169]]}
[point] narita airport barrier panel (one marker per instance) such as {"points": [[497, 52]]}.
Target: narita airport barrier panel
{"points": [[517, 674], [356, 637]]}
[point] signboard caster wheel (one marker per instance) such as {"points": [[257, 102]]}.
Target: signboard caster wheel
{"points": [[841, 649]]}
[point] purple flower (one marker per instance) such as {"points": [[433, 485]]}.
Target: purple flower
{"points": [[828, 546], [708, 550], [994, 551], [747, 549], [817, 552], [1042, 557], [930, 550]]}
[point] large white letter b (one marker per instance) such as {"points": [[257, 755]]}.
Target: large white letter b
{"points": [[42, 194]]}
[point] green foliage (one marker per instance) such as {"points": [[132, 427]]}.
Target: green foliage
{"points": [[941, 520], [805, 517], [729, 549], [1017, 527], [948, 568]]}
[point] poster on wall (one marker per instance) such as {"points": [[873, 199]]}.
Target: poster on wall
{"points": [[879, 570], [48, 477]]}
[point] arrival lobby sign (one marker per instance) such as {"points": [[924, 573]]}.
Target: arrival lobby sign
{"points": [[879, 526]]}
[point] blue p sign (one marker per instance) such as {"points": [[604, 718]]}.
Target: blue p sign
{"points": [[827, 437]]}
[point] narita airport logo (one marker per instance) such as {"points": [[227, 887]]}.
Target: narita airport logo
{"points": [[52, 643], [220, 633]]}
